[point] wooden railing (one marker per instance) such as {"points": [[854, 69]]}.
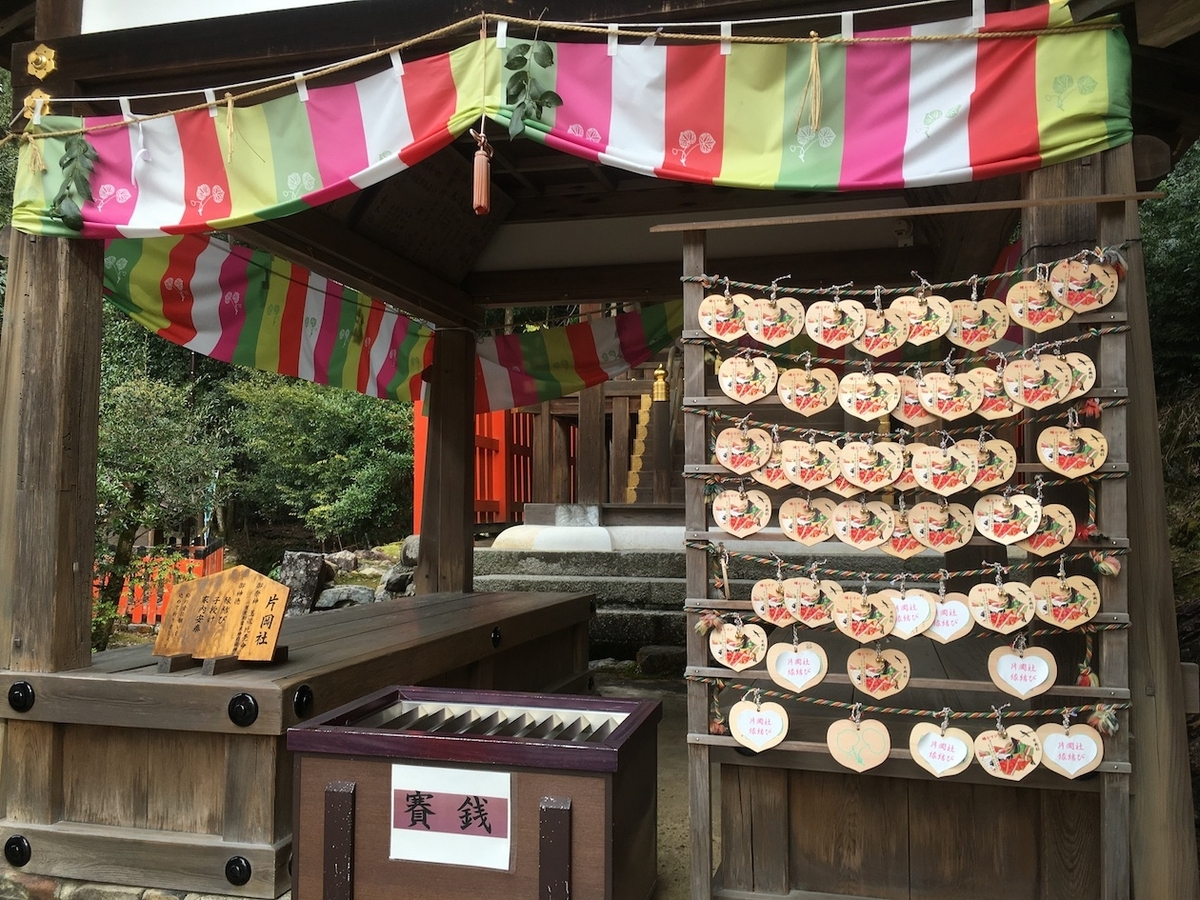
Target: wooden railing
{"points": [[148, 586]]}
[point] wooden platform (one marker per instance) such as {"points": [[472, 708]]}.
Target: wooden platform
{"points": [[150, 781]]}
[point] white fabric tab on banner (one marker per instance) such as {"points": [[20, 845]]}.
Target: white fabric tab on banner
{"points": [[501, 34], [978, 14], [847, 24], [301, 86], [726, 34], [612, 40], [653, 39], [397, 63], [37, 110], [125, 113], [211, 96]]}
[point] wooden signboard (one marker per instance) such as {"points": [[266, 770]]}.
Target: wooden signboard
{"points": [[235, 613]]}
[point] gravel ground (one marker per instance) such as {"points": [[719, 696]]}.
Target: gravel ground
{"points": [[674, 833]]}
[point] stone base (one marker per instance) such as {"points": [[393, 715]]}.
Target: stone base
{"points": [[16, 885]]}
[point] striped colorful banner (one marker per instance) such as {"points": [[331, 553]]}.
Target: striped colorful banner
{"points": [[252, 309], [893, 115]]}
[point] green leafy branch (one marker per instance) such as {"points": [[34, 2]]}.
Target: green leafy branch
{"points": [[77, 162], [525, 92]]}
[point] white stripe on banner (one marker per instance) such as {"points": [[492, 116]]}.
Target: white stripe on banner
{"points": [[314, 313], [379, 352], [639, 109], [608, 345], [496, 379], [385, 123], [160, 198], [938, 147], [206, 297]]}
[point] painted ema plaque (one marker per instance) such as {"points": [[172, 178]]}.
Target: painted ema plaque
{"points": [[235, 613]]}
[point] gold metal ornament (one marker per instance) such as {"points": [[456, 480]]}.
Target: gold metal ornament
{"points": [[41, 62]]}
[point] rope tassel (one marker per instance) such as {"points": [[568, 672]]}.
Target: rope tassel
{"points": [[811, 95], [482, 197]]}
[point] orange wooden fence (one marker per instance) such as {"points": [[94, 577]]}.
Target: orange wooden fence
{"points": [[150, 581]]}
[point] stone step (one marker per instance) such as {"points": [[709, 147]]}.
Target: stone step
{"points": [[610, 591]]}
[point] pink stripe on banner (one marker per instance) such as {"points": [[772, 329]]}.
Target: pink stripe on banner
{"points": [[113, 194], [876, 124], [339, 140], [232, 282], [327, 338], [584, 81], [633, 339], [509, 356]]}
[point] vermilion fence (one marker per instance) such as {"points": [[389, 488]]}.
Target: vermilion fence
{"points": [[151, 579]]}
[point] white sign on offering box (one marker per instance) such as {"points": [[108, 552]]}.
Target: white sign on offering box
{"points": [[459, 817]]}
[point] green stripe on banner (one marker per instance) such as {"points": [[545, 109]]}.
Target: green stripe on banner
{"points": [[258, 279], [535, 362]]}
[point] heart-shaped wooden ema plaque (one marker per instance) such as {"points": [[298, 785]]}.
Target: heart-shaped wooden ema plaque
{"points": [[723, 317], [1065, 602], [996, 404], [1083, 374], [1082, 286], [743, 450], [884, 332], [871, 466], [929, 318], [1072, 452], [835, 324], [738, 647], [941, 528], [977, 324], [1037, 383], [909, 410], [811, 602], [863, 525], [943, 471], [766, 597], [807, 521], [915, 609], [1010, 754], [1071, 752], [951, 619], [774, 323], [757, 726], [811, 465], [797, 667], [906, 480], [1007, 520], [860, 746], [997, 461], [771, 473], [1032, 306], [741, 514], [842, 487], [808, 392], [1003, 609], [902, 544], [747, 380], [1024, 673], [941, 753], [869, 396], [865, 618], [1054, 533], [949, 396], [878, 674]]}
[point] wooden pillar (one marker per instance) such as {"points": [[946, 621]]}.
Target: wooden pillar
{"points": [[618, 452], [446, 557], [591, 448], [49, 408], [543, 455], [1163, 839]]}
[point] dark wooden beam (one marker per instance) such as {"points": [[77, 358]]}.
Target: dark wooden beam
{"points": [[312, 239], [660, 281], [1162, 23]]}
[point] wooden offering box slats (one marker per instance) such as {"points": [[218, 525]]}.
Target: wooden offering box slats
{"points": [[163, 778], [583, 776]]}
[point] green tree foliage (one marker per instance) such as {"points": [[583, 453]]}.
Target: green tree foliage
{"points": [[338, 461], [1171, 241]]}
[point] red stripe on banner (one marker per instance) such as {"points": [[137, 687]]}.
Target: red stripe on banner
{"points": [[232, 283], [176, 289], [482, 401], [876, 113], [1003, 117], [291, 325], [583, 352], [370, 336], [508, 354], [431, 98], [113, 194], [694, 123], [205, 185]]}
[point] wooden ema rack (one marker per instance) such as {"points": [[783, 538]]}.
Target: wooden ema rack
{"points": [[579, 777], [182, 780], [794, 823]]}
